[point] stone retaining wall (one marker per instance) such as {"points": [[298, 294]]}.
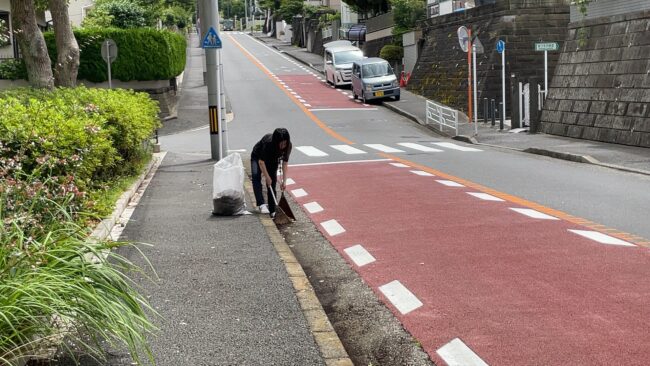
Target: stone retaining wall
{"points": [[441, 71], [601, 87]]}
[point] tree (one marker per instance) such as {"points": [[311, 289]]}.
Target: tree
{"points": [[67, 63], [32, 44], [406, 14]]}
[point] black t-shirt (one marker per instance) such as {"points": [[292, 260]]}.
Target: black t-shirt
{"points": [[264, 150]]}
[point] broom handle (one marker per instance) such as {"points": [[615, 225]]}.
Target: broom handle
{"points": [[272, 194]]}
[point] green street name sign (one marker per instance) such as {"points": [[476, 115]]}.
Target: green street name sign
{"points": [[547, 46]]}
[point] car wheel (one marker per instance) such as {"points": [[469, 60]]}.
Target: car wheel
{"points": [[363, 98], [397, 98]]}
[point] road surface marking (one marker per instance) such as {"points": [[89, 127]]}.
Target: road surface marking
{"points": [[419, 147], [342, 109], [311, 151], [348, 149], [400, 297], [307, 105], [340, 162], [449, 145], [302, 101], [601, 238], [294, 93], [533, 213], [359, 255], [384, 148], [485, 196], [313, 207], [299, 193], [400, 165], [456, 353], [450, 183], [421, 173], [332, 227], [290, 182]]}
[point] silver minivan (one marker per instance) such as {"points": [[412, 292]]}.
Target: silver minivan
{"points": [[373, 78], [338, 63]]}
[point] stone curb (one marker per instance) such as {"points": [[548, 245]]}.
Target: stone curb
{"points": [[328, 342], [103, 229]]}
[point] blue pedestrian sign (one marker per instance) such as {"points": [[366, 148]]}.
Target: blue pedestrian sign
{"points": [[501, 46], [211, 39]]}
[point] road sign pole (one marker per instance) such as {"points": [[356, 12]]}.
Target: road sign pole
{"points": [[475, 96], [210, 19], [545, 75], [108, 52], [469, 74], [503, 83]]}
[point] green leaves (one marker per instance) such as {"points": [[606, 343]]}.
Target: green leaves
{"points": [[406, 14]]}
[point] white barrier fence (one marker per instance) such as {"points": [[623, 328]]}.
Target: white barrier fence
{"points": [[442, 116]]}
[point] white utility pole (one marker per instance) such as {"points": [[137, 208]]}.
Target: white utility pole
{"points": [[211, 44]]}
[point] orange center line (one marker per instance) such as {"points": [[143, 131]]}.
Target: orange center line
{"points": [[309, 113]]}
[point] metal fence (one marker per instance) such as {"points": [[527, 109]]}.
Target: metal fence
{"points": [[442, 115]]}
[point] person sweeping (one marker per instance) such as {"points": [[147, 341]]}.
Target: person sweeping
{"points": [[267, 154]]}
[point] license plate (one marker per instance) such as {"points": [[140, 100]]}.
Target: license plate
{"points": [[379, 94]]}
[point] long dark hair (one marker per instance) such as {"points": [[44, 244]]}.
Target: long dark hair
{"points": [[279, 135]]}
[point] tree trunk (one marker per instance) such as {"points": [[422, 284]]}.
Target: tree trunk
{"points": [[32, 44], [67, 61]]}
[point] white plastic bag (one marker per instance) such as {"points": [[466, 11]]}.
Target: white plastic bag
{"points": [[228, 196]]}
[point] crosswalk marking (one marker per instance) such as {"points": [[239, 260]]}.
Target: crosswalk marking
{"points": [[384, 148], [452, 146], [311, 151], [347, 149], [419, 147]]}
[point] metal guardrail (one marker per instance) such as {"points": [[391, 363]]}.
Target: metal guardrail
{"points": [[442, 116]]}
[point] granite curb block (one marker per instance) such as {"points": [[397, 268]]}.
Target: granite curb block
{"points": [[103, 229], [328, 342]]}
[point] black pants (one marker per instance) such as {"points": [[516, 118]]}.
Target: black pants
{"points": [[257, 178]]}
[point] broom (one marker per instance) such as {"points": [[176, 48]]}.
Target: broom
{"points": [[281, 218]]}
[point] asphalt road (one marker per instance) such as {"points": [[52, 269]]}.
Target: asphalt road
{"points": [[510, 248]]}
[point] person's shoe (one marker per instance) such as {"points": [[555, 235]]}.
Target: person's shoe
{"points": [[272, 215], [264, 208]]}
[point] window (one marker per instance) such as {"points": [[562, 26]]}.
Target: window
{"points": [[347, 57], [377, 70]]}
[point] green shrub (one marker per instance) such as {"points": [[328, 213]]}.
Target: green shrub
{"points": [[392, 53], [176, 16], [143, 54], [13, 70], [116, 13], [407, 13], [93, 135]]}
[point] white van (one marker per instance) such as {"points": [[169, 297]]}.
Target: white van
{"points": [[338, 63]]}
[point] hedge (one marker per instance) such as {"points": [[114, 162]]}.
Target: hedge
{"points": [[94, 135], [143, 54]]}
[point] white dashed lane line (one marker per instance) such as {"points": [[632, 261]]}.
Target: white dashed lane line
{"points": [[457, 353], [450, 183], [399, 165], [299, 193], [601, 238], [485, 196], [290, 182], [313, 207], [332, 227], [359, 255], [533, 213], [400, 297], [422, 173]]}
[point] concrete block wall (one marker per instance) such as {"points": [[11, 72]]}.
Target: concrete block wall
{"points": [[441, 70], [601, 87]]}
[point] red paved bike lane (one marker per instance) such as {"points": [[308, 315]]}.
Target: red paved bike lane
{"points": [[318, 94], [516, 290]]}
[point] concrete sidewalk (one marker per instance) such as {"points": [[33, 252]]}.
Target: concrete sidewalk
{"points": [[228, 289], [412, 106]]}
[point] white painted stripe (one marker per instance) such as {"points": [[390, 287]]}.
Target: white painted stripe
{"points": [[400, 297], [302, 101], [340, 162], [449, 145], [299, 193], [311, 151], [294, 93], [359, 255], [313, 207], [307, 105], [422, 173], [384, 148], [450, 183], [342, 109], [332, 227], [350, 150], [456, 353], [485, 196], [419, 147], [601, 238], [533, 213], [290, 181], [400, 165]]}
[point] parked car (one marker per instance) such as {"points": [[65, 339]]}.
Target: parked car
{"points": [[338, 63], [373, 78]]}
